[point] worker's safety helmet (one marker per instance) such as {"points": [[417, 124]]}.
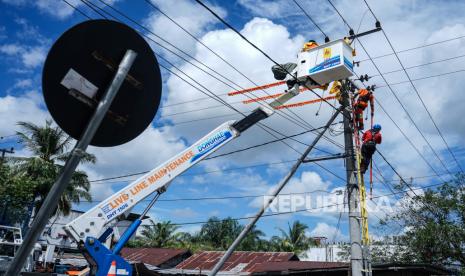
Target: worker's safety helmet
{"points": [[376, 127], [310, 45]]}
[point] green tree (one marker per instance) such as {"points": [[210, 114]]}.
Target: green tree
{"points": [[253, 241], [220, 233], [49, 147], [16, 191], [434, 224], [293, 240], [160, 234]]}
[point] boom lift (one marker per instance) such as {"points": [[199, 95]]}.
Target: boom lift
{"points": [[92, 229]]}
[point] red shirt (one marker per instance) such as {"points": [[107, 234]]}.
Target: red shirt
{"points": [[368, 136]]}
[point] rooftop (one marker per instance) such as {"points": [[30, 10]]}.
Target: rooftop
{"points": [[240, 262], [151, 256]]}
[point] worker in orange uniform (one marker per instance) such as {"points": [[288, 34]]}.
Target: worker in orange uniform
{"points": [[370, 138], [363, 98], [309, 45]]}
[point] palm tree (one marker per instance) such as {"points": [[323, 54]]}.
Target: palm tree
{"points": [[160, 234], [294, 240], [220, 233], [49, 146], [253, 241]]}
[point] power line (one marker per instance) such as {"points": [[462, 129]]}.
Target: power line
{"points": [[375, 75], [122, 14], [306, 209], [313, 21], [415, 48], [226, 197], [405, 183], [303, 210], [419, 65], [397, 98], [422, 78], [222, 101], [216, 54], [416, 91], [408, 139], [213, 95], [257, 48], [282, 115]]}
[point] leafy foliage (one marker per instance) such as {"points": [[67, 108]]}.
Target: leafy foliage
{"points": [[434, 226], [49, 146], [294, 240], [218, 234], [160, 234], [15, 194]]}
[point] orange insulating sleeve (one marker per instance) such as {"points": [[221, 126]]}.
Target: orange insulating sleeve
{"points": [[304, 103], [270, 96], [238, 92]]}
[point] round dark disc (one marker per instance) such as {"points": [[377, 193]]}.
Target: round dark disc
{"points": [[79, 68]]}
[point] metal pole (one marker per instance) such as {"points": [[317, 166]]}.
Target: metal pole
{"points": [[61, 183], [281, 185], [353, 192], [323, 158]]}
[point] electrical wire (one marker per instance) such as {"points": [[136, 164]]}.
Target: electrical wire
{"points": [[416, 92], [419, 65], [225, 197], [257, 48], [304, 210], [311, 19], [426, 161], [216, 54], [422, 78], [400, 103], [282, 115]]}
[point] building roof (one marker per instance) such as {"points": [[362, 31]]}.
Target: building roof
{"points": [[301, 265], [151, 256], [240, 261]]}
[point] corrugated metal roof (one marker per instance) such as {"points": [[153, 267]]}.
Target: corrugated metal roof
{"points": [[239, 262], [301, 265], [151, 256]]}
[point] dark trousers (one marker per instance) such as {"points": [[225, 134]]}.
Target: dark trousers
{"points": [[368, 149]]}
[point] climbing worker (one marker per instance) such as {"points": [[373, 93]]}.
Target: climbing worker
{"points": [[363, 98], [369, 140]]}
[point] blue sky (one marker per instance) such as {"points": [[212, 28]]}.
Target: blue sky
{"points": [[28, 29]]}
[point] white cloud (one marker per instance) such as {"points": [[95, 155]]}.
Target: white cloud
{"points": [[34, 56], [270, 8], [186, 13], [30, 56], [145, 152], [10, 49], [23, 83], [31, 47], [25, 108], [56, 9], [184, 213]]}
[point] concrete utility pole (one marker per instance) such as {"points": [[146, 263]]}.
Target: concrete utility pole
{"points": [[352, 190]]}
